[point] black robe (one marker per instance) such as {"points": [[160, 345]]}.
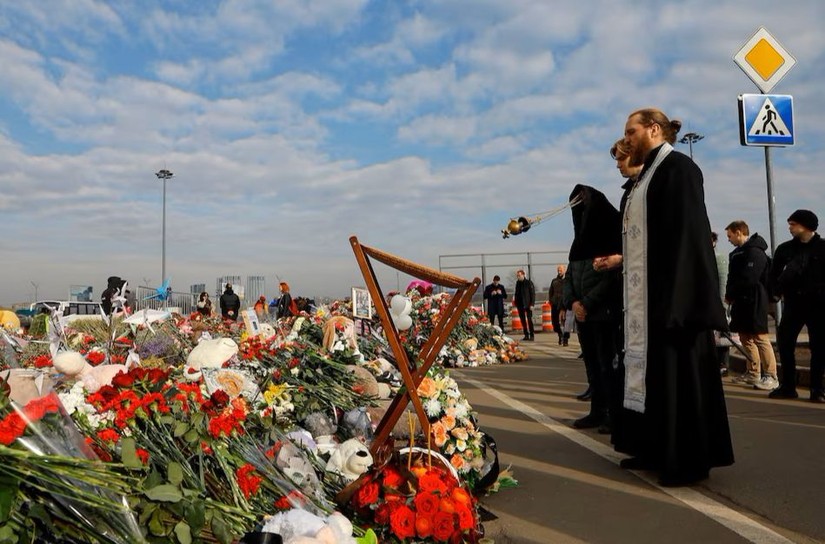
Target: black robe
{"points": [[684, 430]]}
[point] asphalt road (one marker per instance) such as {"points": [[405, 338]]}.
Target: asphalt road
{"points": [[572, 490]]}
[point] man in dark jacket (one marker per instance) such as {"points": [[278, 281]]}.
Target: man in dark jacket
{"points": [[746, 290], [798, 277], [556, 298], [595, 299], [230, 304], [525, 298], [495, 295]]}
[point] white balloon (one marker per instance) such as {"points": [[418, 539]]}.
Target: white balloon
{"points": [[400, 305], [402, 322]]}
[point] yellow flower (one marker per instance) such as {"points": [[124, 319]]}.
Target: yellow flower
{"points": [[273, 392]]}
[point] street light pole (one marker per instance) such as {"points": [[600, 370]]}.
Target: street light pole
{"points": [[35, 285], [164, 175], [689, 138]]}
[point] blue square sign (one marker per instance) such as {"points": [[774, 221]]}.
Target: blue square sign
{"points": [[766, 119]]}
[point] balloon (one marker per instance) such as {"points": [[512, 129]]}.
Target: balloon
{"points": [[400, 305], [402, 322]]}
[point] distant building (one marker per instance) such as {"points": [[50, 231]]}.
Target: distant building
{"points": [[197, 288], [255, 287]]}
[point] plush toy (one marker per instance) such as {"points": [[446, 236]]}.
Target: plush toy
{"points": [[266, 330], [74, 365], [343, 328], [209, 354], [350, 460], [296, 328], [365, 382], [298, 526]]}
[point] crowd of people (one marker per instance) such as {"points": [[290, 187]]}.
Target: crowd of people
{"points": [[229, 304], [654, 329]]}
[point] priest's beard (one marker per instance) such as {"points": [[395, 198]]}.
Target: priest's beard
{"points": [[640, 150]]}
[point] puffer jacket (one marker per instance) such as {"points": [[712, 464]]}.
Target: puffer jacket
{"points": [[747, 286], [598, 291]]}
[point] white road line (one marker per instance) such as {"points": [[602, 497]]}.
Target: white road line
{"points": [[738, 523]]}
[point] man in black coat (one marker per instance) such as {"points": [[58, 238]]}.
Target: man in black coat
{"points": [[230, 304], [555, 297], [495, 295], [525, 297], [674, 418], [746, 291], [798, 276]]}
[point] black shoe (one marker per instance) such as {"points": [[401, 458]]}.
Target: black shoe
{"points": [[560, 340], [636, 463], [588, 422], [564, 342], [782, 393], [818, 396], [585, 395]]}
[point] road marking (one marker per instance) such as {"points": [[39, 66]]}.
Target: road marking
{"points": [[740, 524]]}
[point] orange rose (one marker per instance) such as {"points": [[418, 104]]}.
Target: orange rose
{"points": [[439, 433], [465, 518], [392, 478], [427, 388], [449, 422], [423, 526], [461, 496], [402, 522], [446, 504], [457, 461]]}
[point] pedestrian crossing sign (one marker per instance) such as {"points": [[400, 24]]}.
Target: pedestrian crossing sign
{"points": [[766, 119]]}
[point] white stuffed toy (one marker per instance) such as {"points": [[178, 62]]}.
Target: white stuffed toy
{"points": [[296, 328], [350, 460], [208, 354], [301, 527], [74, 365]]}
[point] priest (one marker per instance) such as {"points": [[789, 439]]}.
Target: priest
{"points": [[674, 418]]}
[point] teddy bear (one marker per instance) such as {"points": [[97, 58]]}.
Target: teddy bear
{"points": [[350, 460], [211, 353], [74, 365], [298, 526]]}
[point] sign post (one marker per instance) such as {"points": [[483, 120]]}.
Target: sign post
{"points": [[765, 62]]}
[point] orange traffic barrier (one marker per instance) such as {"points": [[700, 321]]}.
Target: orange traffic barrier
{"points": [[546, 317], [515, 322]]}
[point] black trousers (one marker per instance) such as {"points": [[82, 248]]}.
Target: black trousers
{"points": [[526, 317], [492, 316], [555, 309], [598, 343], [796, 315]]}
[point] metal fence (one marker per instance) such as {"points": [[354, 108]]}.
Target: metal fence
{"points": [[539, 266], [146, 297]]}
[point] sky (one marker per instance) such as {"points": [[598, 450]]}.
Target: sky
{"points": [[419, 126]]}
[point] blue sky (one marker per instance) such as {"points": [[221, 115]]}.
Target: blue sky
{"points": [[420, 126]]}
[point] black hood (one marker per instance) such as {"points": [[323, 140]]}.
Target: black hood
{"points": [[597, 225], [757, 242]]}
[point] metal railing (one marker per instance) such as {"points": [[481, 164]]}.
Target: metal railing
{"points": [[184, 302]]}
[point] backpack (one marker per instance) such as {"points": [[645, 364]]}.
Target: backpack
{"points": [[293, 308]]}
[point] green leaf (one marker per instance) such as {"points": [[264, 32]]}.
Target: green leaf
{"points": [[195, 515], [192, 436], [8, 491], [156, 526], [221, 530], [369, 538], [180, 429], [197, 419], [167, 419], [128, 453], [175, 473], [164, 493], [8, 535], [147, 513], [183, 532]]}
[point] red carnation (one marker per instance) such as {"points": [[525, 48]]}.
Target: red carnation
{"points": [[95, 357], [247, 481], [11, 427], [123, 380]]}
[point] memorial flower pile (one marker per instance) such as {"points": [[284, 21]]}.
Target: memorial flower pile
{"points": [[424, 502]]}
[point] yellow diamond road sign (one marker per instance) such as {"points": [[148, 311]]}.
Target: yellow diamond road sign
{"points": [[764, 60]]}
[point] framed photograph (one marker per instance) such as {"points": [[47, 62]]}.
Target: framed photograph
{"points": [[361, 303]]}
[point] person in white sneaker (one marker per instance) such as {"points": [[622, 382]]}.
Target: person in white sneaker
{"points": [[747, 293]]}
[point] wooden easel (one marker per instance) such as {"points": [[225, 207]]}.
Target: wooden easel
{"points": [[411, 373]]}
